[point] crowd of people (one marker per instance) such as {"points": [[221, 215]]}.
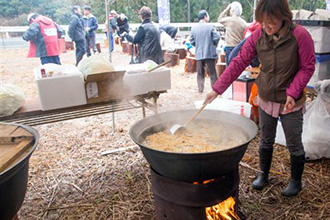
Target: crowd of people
{"points": [[82, 29], [43, 34]]}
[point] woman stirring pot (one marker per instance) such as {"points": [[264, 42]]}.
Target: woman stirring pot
{"points": [[286, 53]]}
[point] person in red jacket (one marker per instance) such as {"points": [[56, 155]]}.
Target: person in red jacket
{"points": [[43, 35]]}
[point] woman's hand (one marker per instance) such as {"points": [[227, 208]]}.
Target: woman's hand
{"points": [[290, 103], [210, 97]]}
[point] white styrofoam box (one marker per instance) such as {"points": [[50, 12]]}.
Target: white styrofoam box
{"points": [[280, 136], [227, 105], [320, 32], [60, 91], [322, 69], [142, 83], [323, 12]]}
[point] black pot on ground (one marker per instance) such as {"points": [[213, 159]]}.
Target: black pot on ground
{"points": [[13, 182], [190, 167]]}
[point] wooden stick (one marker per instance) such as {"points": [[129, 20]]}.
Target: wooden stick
{"points": [[118, 150], [195, 115], [69, 207], [160, 65]]}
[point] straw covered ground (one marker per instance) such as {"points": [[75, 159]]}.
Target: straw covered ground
{"points": [[68, 179]]}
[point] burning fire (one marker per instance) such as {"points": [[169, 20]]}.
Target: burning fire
{"points": [[222, 211], [204, 182]]}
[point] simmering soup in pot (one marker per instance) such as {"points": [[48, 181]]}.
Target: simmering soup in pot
{"points": [[199, 137]]}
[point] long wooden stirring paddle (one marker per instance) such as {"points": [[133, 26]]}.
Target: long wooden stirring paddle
{"points": [[175, 128]]}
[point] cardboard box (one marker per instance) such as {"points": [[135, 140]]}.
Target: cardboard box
{"points": [[142, 83], [102, 87], [60, 91]]}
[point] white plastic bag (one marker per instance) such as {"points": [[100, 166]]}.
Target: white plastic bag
{"points": [[95, 64], [316, 133], [141, 67], [11, 99]]}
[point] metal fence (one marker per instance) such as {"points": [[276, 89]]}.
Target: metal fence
{"points": [[7, 30]]}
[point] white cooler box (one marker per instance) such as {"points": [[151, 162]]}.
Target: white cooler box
{"points": [[322, 68], [142, 83], [60, 91], [320, 32]]}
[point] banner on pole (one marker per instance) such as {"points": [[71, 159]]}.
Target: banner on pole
{"points": [[163, 11]]}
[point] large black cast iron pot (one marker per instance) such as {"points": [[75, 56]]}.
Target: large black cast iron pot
{"points": [[190, 167], [13, 182]]}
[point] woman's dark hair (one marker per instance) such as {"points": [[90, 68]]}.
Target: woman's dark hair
{"points": [[145, 12], [279, 9], [202, 14]]}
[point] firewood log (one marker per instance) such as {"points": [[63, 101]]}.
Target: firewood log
{"points": [[175, 59]]}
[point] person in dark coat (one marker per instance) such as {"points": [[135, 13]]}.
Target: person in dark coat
{"points": [[43, 35], [77, 33], [147, 38], [169, 29], [123, 25], [255, 62], [205, 38], [90, 24]]}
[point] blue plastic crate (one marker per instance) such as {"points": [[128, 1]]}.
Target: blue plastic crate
{"points": [[321, 58]]}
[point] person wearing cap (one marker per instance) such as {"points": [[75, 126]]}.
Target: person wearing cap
{"points": [[113, 25], [205, 39], [90, 24], [43, 35], [77, 33], [147, 38]]}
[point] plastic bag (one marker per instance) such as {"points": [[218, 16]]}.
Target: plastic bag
{"points": [[11, 99], [95, 64], [141, 68], [315, 137]]}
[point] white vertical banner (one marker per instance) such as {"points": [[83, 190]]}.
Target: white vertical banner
{"points": [[163, 11]]}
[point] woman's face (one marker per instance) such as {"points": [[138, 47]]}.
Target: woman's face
{"points": [[271, 25]]}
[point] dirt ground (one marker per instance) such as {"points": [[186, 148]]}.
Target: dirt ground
{"points": [[68, 179]]}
